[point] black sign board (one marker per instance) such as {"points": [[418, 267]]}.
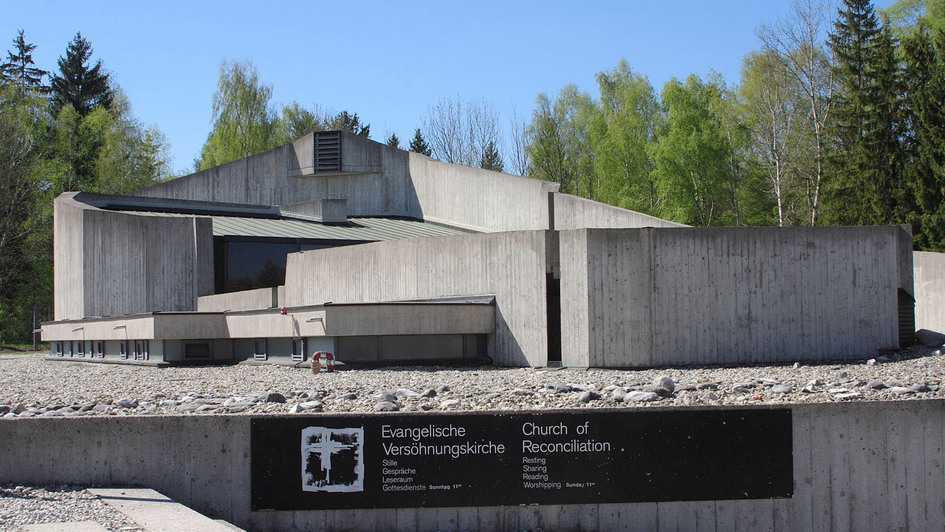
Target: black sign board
{"points": [[495, 459]]}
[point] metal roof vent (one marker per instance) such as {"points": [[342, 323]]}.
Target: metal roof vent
{"points": [[327, 152]]}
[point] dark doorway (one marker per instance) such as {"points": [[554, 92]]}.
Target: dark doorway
{"points": [[554, 319]]}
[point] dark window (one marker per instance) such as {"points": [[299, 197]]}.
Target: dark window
{"points": [[245, 264], [141, 350], [80, 349], [100, 349], [298, 350], [59, 349], [259, 350], [123, 349], [198, 350]]}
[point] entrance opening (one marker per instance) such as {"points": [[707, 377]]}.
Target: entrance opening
{"points": [[553, 291]]}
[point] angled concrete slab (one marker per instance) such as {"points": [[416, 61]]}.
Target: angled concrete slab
{"points": [[158, 513]]}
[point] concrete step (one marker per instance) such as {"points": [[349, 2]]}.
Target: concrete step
{"points": [[157, 513]]}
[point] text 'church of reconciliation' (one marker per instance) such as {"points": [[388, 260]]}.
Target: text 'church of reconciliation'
{"points": [[342, 244]]}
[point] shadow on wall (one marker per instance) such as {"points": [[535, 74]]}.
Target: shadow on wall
{"points": [[508, 352]]}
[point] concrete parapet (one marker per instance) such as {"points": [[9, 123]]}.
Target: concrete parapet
{"points": [[857, 466]]}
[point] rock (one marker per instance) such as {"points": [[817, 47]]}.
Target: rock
{"points": [[522, 391], [740, 388], [428, 393], [883, 358], [349, 396], [687, 387], [206, 408], [871, 362], [315, 406], [5, 409], [127, 403], [664, 386], [618, 394], [562, 388], [99, 408], [747, 384], [386, 406], [712, 396], [919, 388], [386, 397], [893, 383], [781, 389], [588, 396], [641, 397], [406, 392], [838, 390], [274, 397], [442, 388], [426, 406], [900, 390], [450, 404], [876, 384], [770, 382], [578, 388], [19, 408], [296, 409], [707, 386], [846, 396], [796, 365], [930, 338]]}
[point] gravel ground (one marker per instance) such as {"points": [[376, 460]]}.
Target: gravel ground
{"points": [[20, 505], [31, 386]]}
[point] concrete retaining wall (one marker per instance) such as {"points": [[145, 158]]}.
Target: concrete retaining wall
{"points": [[929, 291], [510, 265], [647, 297], [857, 466]]}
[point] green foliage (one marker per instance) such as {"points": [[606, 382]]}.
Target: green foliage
{"points": [[244, 123], [76, 84], [631, 115], [418, 145], [906, 16], [692, 154], [393, 141]]}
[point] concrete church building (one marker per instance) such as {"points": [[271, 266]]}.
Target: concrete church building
{"points": [[337, 243]]}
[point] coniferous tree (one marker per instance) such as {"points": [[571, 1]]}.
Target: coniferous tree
{"points": [[491, 160], [78, 85], [853, 41], [345, 121], [19, 66], [924, 81], [419, 145], [393, 141]]}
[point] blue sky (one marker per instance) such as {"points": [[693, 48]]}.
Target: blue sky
{"points": [[389, 62]]}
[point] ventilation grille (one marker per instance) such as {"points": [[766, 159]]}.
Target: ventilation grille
{"points": [[327, 152], [906, 319]]}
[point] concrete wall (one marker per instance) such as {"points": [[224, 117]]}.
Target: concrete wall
{"points": [[572, 212], [649, 297], [110, 263], [929, 291], [376, 182], [483, 199], [857, 466], [510, 265], [259, 298]]}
